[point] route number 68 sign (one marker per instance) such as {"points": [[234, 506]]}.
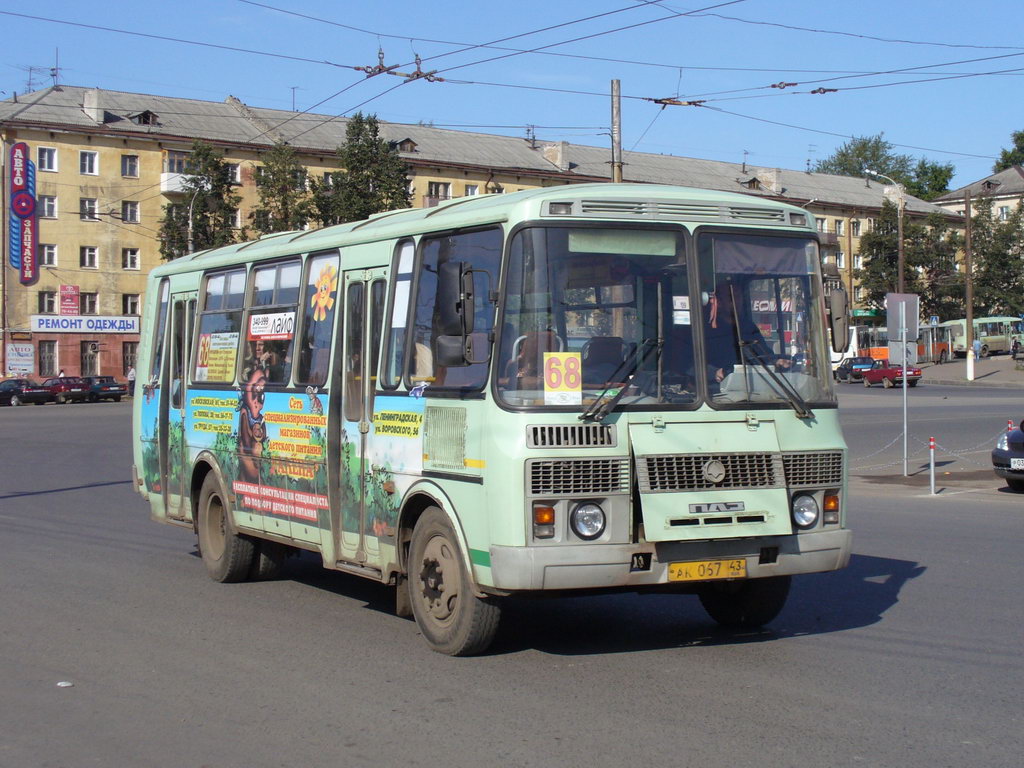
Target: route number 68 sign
{"points": [[563, 378]]}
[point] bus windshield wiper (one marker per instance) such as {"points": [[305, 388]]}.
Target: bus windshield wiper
{"points": [[600, 408], [783, 387]]}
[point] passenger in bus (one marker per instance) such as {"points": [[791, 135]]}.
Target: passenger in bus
{"points": [[526, 371], [723, 342]]}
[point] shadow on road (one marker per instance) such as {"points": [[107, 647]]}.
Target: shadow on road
{"points": [[18, 494], [855, 597]]}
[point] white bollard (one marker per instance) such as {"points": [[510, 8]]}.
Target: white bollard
{"points": [[931, 461]]}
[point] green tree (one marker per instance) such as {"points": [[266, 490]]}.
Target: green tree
{"points": [[997, 251], [214, 206], [284, 202], [929, 252], [373, 179], [1013, 156], [921, 178]]}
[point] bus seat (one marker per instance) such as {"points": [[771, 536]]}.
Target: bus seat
{"points": [[602, 356], [527, 368]]}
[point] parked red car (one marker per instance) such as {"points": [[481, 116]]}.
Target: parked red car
{"points": [[890, 375], [67, 389]]}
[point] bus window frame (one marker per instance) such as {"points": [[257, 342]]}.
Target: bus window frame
{"points": [[456, 393], [305, 293], [202, 311], [393, 383], [249, 308]]}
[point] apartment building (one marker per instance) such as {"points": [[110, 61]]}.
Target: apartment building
{"points": [[106, 163]]}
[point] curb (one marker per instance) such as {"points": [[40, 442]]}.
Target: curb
{"points": [[976, 383]]}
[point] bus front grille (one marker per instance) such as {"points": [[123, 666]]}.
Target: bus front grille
{"points": [[811, 469], [578, 477], [682, 472], [570, 436]]}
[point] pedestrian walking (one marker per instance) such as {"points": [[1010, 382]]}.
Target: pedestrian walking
{"points": [[131, 380], [977, 349]]}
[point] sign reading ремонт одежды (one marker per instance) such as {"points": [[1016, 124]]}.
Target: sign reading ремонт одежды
{"points": [[84, 324]]}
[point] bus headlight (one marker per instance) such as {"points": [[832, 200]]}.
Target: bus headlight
{"points": [[805, 511], [587, 521]]}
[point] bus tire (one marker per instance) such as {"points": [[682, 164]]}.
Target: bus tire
{"points": [[887, 383], [227, 555], [745, 604], [1017, 486], [984, 350], [866, 382], [452, 619]]}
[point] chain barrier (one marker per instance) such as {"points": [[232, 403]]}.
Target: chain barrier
{"points": [[960, 454]]}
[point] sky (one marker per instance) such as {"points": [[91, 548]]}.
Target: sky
{"points": [[939, 80]]}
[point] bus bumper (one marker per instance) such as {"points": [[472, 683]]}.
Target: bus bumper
{"points": [[614, 566]]}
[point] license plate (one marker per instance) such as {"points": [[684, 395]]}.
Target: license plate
{"points": [[1016, 463], [706, 570]]}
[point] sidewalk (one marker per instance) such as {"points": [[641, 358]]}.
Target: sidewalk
{"points": [[996, 371]]}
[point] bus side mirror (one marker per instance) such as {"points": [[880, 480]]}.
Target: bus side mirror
{"points": [[455, 298], [839, 319]]}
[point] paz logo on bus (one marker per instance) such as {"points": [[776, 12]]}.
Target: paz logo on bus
{"points": [[713, 471], [717, 507]]}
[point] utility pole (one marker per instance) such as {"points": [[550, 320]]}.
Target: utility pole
{"points": [[616, 133], [968, 269]]}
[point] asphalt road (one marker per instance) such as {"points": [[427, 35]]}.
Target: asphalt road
{"points": [[910, 657]]}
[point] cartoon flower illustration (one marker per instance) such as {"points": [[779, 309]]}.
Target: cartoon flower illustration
{"points": [[323, 299]]}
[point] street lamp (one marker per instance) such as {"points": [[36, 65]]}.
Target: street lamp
{"points": [[901, 204]]}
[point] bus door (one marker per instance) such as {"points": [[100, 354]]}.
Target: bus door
{"points": [[365, 294], [174, 462]]}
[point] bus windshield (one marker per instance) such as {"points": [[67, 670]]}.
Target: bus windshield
{"points": [[594, 313]]}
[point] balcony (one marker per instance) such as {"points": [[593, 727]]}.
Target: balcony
{"points": [[172, 183], [828, 239], [429, 201]]}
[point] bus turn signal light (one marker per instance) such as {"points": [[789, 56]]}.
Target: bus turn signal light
{"points": [[831, 508], [543, 522]]}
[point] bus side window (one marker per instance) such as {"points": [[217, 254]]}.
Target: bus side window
{"points": [[394, 351], [319, 303]]}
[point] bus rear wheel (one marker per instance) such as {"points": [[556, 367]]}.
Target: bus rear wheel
{"points": [[745, 604], [227, 555], [452, 619]]}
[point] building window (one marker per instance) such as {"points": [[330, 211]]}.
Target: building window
{"points": [[130, 211], [90, 357], [87, 209], [47, 207], [858, 261], [821, 224], [472, 189], [129, 258], [90, 303], [442, 190], [47, 255], [838, 224], [87, 257], [129, 354], [88, 163], [46, 159], [129, 303], [840, 260], [858, 294], [175, 162], [1004, 212], [130, 166], [234, 173], [855, 227], [47, 358], [47, 302]]}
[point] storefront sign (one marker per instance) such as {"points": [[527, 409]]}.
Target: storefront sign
{"points": [[69, 300], [84, 324], [23, 221], [20, 359]]}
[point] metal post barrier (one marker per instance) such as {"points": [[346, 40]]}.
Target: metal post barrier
{"points": [[1009, 425], [931, 462]]}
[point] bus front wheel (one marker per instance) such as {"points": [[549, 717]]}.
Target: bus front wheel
{"points": [[745, 604], [227, 555], [452, 619]]}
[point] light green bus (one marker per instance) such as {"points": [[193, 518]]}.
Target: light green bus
{"points": [[606, 387], [997, 335]]}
